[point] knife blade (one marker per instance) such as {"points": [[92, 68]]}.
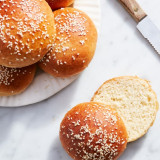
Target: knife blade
{"points": [[147, 28]]}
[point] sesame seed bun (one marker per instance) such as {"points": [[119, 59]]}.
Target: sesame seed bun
{"points": [[56, 4], [27, 32], [134, 100], [93, 131], [74, 45], [15, 80]]}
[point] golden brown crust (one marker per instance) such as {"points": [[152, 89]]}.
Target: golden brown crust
{"points": [[56, 4], [74, 46], [93, 131], [14, 81], [27, 32]]}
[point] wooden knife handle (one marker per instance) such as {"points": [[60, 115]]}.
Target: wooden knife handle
{"points": [[134, 9]]}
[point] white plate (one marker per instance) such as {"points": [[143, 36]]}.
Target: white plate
{"points": [[44, 85]]}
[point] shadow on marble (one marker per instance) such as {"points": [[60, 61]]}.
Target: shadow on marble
{"points": [[57, 152], [5, 124], [14, 121], [49, 110], [132, 149]]}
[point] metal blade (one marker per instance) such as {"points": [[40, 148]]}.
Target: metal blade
{"points": [[150, 31]]}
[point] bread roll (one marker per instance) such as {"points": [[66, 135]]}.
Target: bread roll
{"points": [[56, 4], [74, 46], [27, 32], [93, 131], [14, 81], [135, 102]]}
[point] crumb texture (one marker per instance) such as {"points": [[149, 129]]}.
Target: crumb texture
{"points": [[134, 100], [93, 131]]}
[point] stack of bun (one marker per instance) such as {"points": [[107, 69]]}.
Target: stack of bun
{"points": [[30, 30], [63, 43], [122, 110]]}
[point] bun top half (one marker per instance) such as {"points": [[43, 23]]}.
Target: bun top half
{"points": [[27, 32], [93, 131], [74, 46]]}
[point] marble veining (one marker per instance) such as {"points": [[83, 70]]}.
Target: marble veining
{"points": [[31, 132]]}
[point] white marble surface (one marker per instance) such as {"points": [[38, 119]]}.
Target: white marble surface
{"points": [[31, 132]]}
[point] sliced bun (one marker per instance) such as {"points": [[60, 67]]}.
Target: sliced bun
{"points": [[27, 32], [14, 81], [74, 46], [93, 131], [56, 4], [135, 102]]}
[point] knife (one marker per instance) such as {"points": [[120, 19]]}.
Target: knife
{"points": [[147, 28]]}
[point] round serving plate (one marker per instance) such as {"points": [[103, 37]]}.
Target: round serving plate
{"points": [[44, 85]]}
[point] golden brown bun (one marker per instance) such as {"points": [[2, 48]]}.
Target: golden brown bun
{"points": [[27, 32], [14, 81], [74, 46], [93, 131], [56, 4]]}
